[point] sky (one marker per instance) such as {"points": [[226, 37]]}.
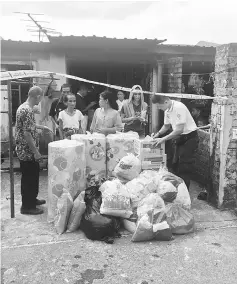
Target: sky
{"points": [[178, 21]]}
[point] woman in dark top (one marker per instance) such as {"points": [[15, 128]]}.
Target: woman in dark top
{"points": [[134, 112]]}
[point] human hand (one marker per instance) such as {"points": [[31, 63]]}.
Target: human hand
{"points": [[103, 131], [158, 141], [133, 118], [38, 156], [155, 135], [91, 104], [141, 119], [36, 109]]}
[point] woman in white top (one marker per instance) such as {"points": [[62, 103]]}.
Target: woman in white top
{"points": [[106, 119], [70, 119]]}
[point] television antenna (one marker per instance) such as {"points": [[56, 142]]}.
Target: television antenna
{"points": [[38, 28]]}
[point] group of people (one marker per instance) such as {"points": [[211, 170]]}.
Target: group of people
{"points": [[114, 114], [70, 113]]}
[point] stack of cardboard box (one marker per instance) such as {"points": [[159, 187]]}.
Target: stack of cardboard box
{"points": [[151, 157]]}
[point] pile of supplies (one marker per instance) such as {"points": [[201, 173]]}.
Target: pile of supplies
{"points": [[152, 204]]}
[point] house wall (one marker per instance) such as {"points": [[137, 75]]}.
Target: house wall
{"points": [[202, 158], [41, 61], [175, 75], [223, 151]]}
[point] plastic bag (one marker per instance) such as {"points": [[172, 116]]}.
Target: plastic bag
{"points": [[115, 199], [78, 209], [162, 231], [183, 197], [180, 220], [128, 168], [148, 174], [93, 224], [164, 175], [130, 226], [151, 202], [167, 191], [144, 230], [139, 188], [64, 207]]}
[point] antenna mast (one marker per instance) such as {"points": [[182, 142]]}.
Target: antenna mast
{"points": [[42, 31]]}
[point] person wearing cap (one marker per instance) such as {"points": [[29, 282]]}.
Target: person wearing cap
{"points": [[81, 104], [184, 131], [134, 112]]}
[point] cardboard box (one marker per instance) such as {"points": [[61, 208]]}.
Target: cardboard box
{"points": [[154, 162], [145, 148]]}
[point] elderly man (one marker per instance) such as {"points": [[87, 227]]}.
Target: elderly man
{"points": [[28, 153], [184, 130]]}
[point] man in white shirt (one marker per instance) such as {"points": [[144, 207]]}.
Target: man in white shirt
{"points": [[184, 131]]}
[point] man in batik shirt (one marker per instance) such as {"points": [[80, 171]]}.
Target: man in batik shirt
{"points": [[28, 153]]}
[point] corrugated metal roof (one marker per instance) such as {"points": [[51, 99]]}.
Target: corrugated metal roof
{"points": [[187, 45], [72, 37]]}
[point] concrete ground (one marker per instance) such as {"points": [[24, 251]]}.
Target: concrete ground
{"points": [[33, 253]]}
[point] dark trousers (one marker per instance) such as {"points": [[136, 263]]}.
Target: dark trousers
{"points": [[29, 183], [184, 158]]}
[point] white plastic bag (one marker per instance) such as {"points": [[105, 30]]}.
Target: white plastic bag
{"points": [[152, 202], [165, 175], [167, 191], [139, 188], [115, 199], [183, 197], [144, 230], [180, 220], [129, 226], [162, 231], [128, 168], [64, 207], [78, 209]]}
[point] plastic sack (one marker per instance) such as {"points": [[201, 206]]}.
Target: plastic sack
{"points": [[139, 188], [144, 230], [78, 209], [64, 207], [183, 197], [167, 191], [151, 202], [128, 168], [162, 231], [164, 175], [130, 226], [93, 224], [148, 174], [115, 199], [180, 220]]}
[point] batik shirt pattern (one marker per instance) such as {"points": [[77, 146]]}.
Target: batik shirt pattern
{"points": [[25, 121]]}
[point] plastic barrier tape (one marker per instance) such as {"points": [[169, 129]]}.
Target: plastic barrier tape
{"points": [[11, 75]]}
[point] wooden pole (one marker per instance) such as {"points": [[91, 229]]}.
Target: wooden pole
{"points": [[11, 150]]}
